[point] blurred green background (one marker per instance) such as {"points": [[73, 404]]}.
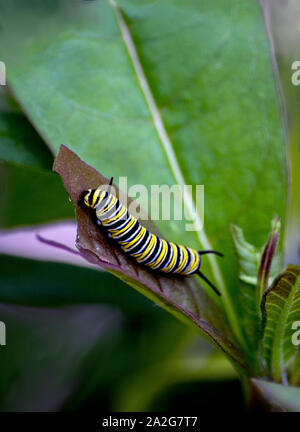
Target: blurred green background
{"points": [[85, 341]]}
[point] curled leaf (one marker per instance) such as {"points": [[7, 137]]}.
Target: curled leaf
{"points": [[248, 261], [257, 266], [267, 259], [248, 256], [183, 297], [255, 275], [281, 308]]}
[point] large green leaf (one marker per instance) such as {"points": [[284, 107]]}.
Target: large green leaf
{"points": [[163, 92], [281, 304]]}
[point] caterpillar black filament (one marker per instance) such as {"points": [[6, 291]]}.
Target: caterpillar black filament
{"points": [[134, 239]]}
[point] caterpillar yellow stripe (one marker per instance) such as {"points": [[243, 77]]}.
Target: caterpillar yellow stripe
{"points": [[135, 240]]}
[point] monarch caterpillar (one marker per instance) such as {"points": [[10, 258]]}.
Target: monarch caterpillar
{"points": [[134, 239]]}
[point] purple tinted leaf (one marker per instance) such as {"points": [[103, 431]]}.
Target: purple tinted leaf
{"points": [[266, 260], [33, 242], [184, 297], [56, 244]]}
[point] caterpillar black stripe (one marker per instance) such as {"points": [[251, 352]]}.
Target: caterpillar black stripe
{"points": [[134, 239]]}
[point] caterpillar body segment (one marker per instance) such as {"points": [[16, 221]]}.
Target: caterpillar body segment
{"points": [[135, 240]]}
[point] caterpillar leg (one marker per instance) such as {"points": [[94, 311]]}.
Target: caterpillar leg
{"points": [[208, 282]]}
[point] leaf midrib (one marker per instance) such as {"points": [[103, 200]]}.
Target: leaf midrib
{"points": [[173, 163]]}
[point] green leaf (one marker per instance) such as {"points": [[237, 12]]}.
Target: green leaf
{"points": [[248, 256], [185, 298], [281, 306], [257, 269], [31, 195], [294, 366], [277, 397], [145, 90], [282, 27], [30, 192], [19, 142]]}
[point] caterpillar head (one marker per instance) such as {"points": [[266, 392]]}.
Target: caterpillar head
{"points": [[91, 197]]}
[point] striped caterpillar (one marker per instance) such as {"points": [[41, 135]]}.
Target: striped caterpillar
{"points": [[135, 240]]}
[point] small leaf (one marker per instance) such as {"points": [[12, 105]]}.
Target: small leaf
{"points": [[38, 192], [266, 261], [254, 267], [248, 256], [183, 297], [255, 263], [281, 307], [278, 397]]}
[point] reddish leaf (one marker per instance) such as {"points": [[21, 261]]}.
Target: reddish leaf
{"points": [[266, 261], [184, 297]]}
